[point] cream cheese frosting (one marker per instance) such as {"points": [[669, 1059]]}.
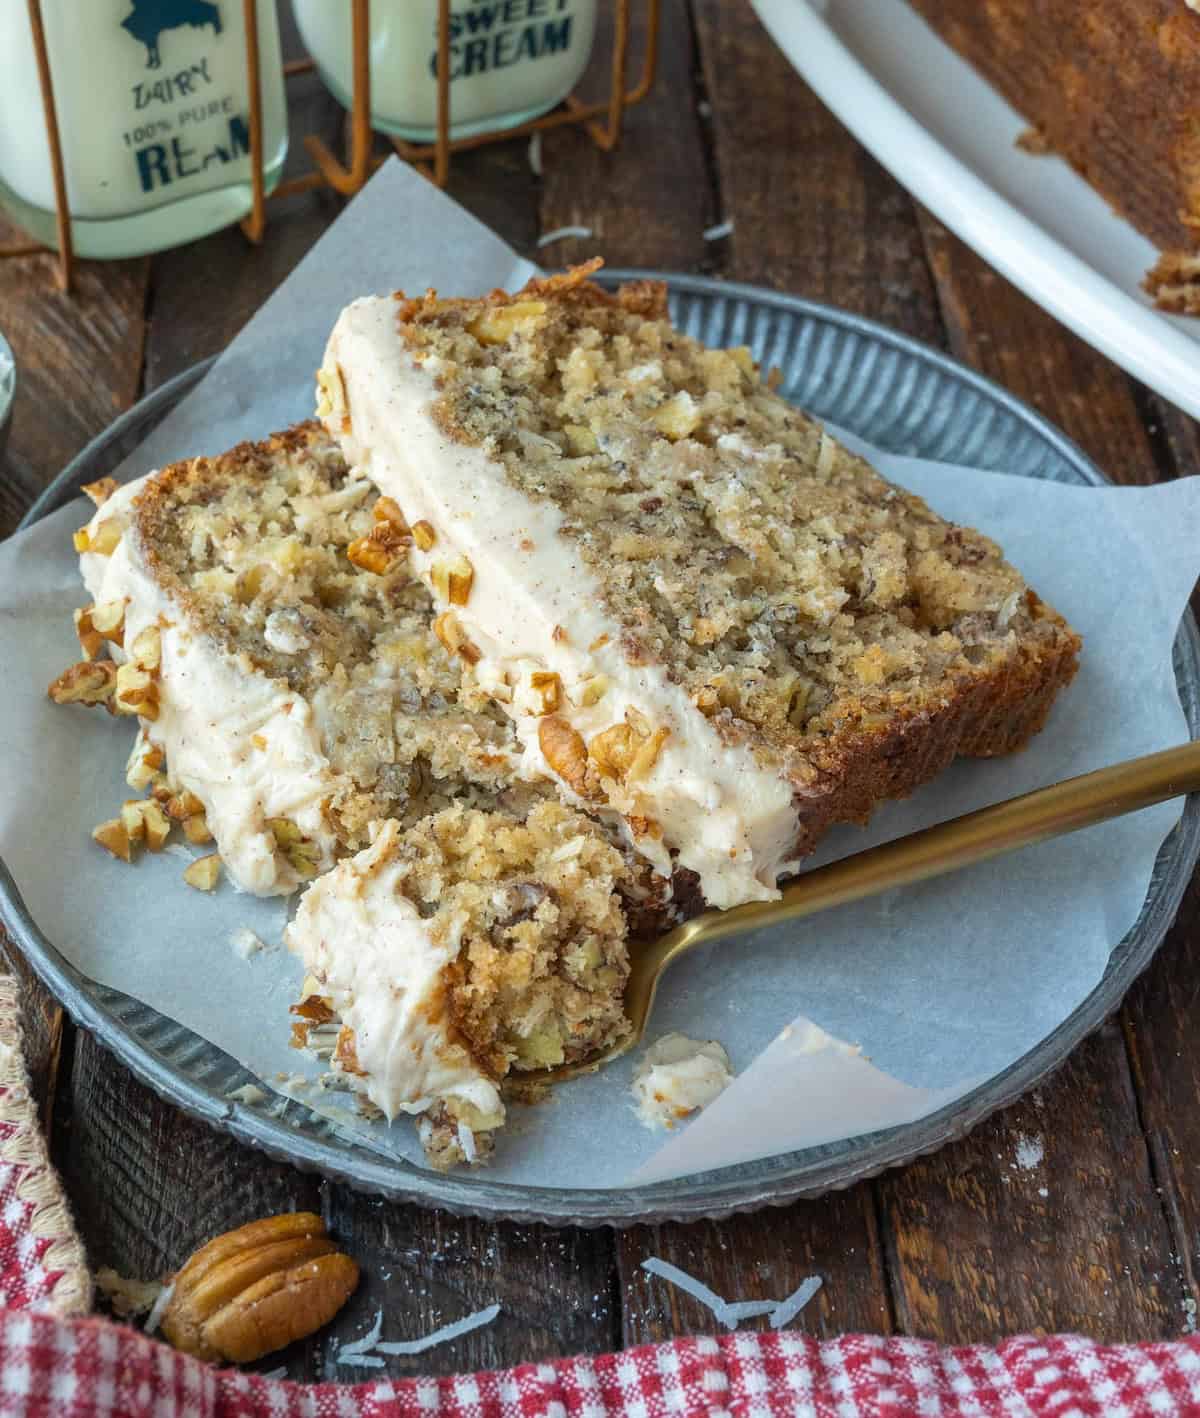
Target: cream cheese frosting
{"points": [[535, 607], [246, 746], [677, 1077], [383, 971]]}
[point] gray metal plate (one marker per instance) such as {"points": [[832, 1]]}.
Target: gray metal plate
{"points": [[900, 395]]}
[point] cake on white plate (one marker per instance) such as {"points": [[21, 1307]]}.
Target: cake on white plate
{"points": [[700, 611]]}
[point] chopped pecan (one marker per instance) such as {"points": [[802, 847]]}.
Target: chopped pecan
{"points": [[546, 691], [345, 1056], [613, 750], [317, 1009], [156, 825], [591, 691], [109, 620], [368, 555], [103, 541], [448, 630], [91, 642], [647, 754], [204, 872], [137, 692], [89, 682], [184, 804], [332, 397], [146, 649], [387, 509], [100, 491], [565, 751], [452, 580], [113, 836], [195, 829]]}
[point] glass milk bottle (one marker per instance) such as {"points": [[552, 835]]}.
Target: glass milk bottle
{"points": [[510, 60], [153, 107]]}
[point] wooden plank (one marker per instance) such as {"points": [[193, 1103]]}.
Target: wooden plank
{"points": [[555, 1288], [1159, 1024], [647, 203], [88, 342], [1045, 1219], [761, 1257], [1174, 436], [813, 212], [978, 1244]]}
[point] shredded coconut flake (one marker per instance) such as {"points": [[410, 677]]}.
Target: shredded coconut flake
{"points": [[695, 1288], [366, 1361], [154, 1318], [717, 232], [730, 1313], [749, 1309], [787, 1310], [368, 1341], [466, 1140], [562, 233], [443, 1335], [535, 154]]}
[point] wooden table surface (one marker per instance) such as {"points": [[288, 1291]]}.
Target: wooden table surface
{"points": [[1078, 1208]]}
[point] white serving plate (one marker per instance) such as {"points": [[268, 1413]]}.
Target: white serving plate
{"points": [[950, 139]]}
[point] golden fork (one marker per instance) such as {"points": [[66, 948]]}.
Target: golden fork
{"points": [[989, 832]]}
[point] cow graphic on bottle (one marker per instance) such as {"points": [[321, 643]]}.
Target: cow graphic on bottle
{"points": [[151, 19]]}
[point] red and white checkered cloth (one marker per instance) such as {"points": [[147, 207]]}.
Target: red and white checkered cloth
{"points": [[89, 1368], [56, 1364]]}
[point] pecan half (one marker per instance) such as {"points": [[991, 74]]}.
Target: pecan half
{"points": [[257, 1289]]}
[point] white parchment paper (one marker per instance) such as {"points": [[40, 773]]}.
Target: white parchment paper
{"points": [[941, 985]]}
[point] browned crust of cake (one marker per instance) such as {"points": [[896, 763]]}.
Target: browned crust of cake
{"points": [[1113, 86], [645, 298], [995, 713]]}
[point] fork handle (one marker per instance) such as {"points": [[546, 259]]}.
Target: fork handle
{"points": [[1032, 817]]}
